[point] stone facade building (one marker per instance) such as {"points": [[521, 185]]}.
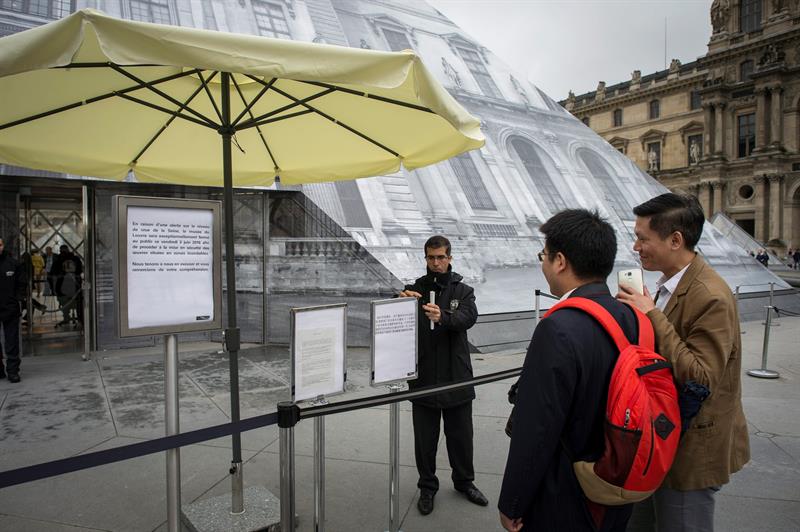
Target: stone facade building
{"points": [[725, 127]]}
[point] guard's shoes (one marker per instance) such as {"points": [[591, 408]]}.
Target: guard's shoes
{"points": [[474, 495], [425, 502], [13, 377]]}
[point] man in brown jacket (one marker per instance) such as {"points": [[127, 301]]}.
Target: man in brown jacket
{"points": [[696, 322]]}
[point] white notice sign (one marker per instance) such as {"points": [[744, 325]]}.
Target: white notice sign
{"points": [[318, 347], [170, 266], [394, 340]]}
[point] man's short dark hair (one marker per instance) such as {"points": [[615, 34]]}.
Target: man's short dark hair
{"points": [[672, 212], [437, 241], [585, 239]]}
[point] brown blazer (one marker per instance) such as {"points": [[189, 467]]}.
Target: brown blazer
{"points": [[698, 332]]}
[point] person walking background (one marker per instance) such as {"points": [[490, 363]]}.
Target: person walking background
{"points": [[12, 293]]}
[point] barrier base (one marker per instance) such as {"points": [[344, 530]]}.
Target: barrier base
{"points": [[262, 511], [763, 373]]}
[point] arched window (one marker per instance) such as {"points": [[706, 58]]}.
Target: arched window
{"points": [[540, 177], [655, 109], [612, 196]]}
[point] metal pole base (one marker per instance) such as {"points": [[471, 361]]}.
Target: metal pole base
{"points": [[237, 490], [763, 373]]}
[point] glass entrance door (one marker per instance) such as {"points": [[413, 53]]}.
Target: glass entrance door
{"points": [[53, 249]]}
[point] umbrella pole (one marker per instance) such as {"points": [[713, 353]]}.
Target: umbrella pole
{"points": [[232, 330]]}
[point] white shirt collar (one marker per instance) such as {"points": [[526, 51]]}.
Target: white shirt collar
{"points": [[565, 296], [666, 287]]}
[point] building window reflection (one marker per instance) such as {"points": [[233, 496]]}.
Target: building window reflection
{"points": [[471, 183], [617, 117], [747, 134], [41, 8], [397, 40], [479, 71], [538, 174], [750, 15], [271, 20], [655, 109], [605, 181], [155, 11]]}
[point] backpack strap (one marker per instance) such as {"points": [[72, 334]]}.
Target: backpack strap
{"points": [[607, 321]]}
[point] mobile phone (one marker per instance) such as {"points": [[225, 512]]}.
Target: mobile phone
{"points": [[632, 279]]}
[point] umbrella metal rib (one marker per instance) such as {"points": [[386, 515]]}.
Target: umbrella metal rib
{"points": [[101, 97], [200, 119], [168, 122], [247, 110], [259, 121], [332, 119], [149, 86]]}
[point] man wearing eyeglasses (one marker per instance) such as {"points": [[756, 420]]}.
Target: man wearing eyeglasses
{"points": [[443, 358], [559, 410]]}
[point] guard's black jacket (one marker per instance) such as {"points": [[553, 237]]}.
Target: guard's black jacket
{"points": [[444, 352], [12, 286], [562, 394]]}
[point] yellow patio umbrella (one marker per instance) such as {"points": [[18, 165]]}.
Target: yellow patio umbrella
{"points": [[98, 96]]}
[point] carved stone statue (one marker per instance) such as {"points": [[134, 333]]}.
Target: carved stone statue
{"points": [[636, 76], [451, 73], [694, 152], [601, 91], [778, 5], [520, 90], [772, 54], [674, 66], [652, 161], [720, 9]]}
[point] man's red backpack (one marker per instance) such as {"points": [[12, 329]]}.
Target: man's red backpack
{"points": [[642, 426]]}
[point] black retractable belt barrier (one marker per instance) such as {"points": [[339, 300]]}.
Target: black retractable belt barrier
{"points": [[287, 416], [126, 452]]}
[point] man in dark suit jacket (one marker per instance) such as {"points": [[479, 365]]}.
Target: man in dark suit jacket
{"points": [[562, 391]]}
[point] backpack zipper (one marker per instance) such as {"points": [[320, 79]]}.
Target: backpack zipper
{"points": [[627, 418], [652, 444]]}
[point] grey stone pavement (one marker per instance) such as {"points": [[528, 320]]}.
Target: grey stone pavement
{"points": [[65, 406]]}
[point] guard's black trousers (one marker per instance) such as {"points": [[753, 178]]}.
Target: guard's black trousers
{"points": [[458, 436], [11, 344]]}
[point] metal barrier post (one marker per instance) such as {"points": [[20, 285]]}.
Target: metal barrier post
{"points": [[736, 293], [537, 305], [394, 462], [287, 419], [763, 372], [172, 427], [319, 468]]}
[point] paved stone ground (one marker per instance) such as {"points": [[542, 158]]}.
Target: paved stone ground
{"points": [[65, 407]]}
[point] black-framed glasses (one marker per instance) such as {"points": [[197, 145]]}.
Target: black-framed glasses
{"points": [[434, 258], [542, 254]]}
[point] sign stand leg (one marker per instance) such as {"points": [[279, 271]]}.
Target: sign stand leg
{"points": [[394, 462], [319, 468], [172, 428]]}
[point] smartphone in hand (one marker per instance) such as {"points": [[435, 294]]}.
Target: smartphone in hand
{"points": [[632, 279]]}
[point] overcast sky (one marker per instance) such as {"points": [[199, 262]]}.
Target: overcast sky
{"points": [[572, 44]]}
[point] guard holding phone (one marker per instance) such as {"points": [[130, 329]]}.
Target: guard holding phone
{"points": [[443, 358]]}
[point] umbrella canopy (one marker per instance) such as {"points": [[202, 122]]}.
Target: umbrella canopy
{"points": [[98, 96]]}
